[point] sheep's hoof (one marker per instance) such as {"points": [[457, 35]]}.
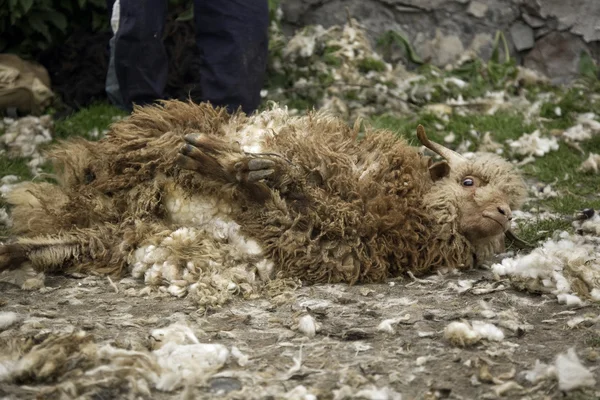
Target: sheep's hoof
{"points": [[12, 256], [255, 169]]}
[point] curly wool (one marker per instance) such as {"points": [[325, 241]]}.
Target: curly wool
{"points": [[347, 210]]}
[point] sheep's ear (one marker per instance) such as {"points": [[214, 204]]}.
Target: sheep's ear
{"points": [[439, 170]]}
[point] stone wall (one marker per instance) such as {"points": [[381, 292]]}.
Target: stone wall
{"points": [[547, 35]]}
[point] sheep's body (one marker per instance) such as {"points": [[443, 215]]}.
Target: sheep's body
{"points": [[330, 209]]}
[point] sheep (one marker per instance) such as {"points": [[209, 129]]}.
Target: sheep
{"points": [[191, 197]]}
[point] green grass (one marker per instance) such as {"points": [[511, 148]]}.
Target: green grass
{"points": [[15, 166], [537, 229], [97, 116], [503, 125]]}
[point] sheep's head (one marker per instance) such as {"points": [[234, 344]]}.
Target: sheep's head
{"points": [[481, 192]]}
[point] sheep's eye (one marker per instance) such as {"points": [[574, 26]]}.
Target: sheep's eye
{"points": [[468, 182]]}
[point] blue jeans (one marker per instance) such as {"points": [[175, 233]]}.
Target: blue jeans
{"points": [[232, 36]]}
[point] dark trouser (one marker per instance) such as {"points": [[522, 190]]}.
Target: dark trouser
{"points": [[232, 36]]}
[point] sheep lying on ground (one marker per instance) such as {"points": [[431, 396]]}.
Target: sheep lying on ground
{"points": [[189, 196]]}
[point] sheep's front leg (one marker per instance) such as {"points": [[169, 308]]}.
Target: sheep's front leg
{"points": [[257, 172]]}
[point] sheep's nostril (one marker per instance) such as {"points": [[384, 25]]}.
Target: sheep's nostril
{"points": [[501, 211]]}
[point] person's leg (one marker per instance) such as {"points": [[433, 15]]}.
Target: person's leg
{"points": [[138, 66], [232, 36], [112, 83]]}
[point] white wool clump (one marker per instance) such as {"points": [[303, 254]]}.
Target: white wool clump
{"points": [[569, 299], [543, 192], [520, 215], [258, 128], [540, 372], [307, 325], [24, 137], [181, 360], [299, 393], [241, 358], [210, 215], [265, 269], [5, 218], [8, 319], [386, 326], [455, 81], [303, 44], [591, 226], [461, 334], [175, 333], [533, 144], [591, 164], [188, 363], [571, 373], [208, 256], [449, 138], [589, 121], [548, 266], [488, 331], [8, 184], [577, 133], [465, 334]]}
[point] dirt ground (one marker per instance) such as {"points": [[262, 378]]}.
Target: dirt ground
{"points": [[352, 355]]}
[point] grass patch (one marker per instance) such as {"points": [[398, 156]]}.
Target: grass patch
{"points": [[536, 230], [560, 167], [97, 116], [503, 125], [14, 166]]}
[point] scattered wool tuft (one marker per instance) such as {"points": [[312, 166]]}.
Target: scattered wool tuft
{"points": [[566, 266], [384, 393], [504, 388], [533, 144], [241, 358], [571, 373], [577, 133], [175, 333], [591, 164], [464, 334], [386, 326], [307, 325], [543, 191], [367, 393], [449, 138], [569, 300], [5, 218], [300, 392], [589, 121], [188, 364], [8, 319], [540, 372], [24, 137], [590, 226]]}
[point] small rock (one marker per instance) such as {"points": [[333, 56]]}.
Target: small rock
{"points": [[532, 21], [225, 385], [522, 36], [477, 9]]}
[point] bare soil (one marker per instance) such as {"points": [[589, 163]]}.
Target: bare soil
{"points": [[348, 354]]}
